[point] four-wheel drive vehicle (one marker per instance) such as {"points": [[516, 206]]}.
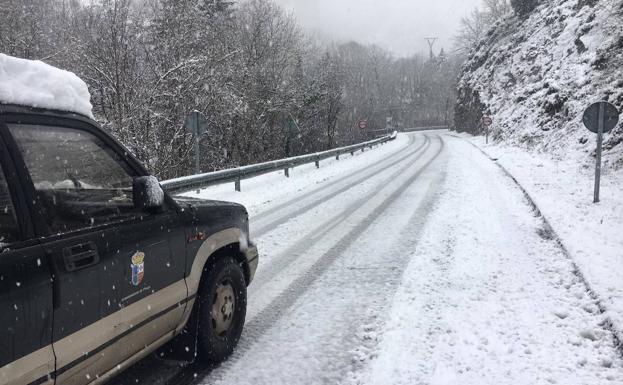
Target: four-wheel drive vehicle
{"points": [[98, 266]]}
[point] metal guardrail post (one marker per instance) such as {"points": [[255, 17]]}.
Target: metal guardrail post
{"points": [[287, 172], [237, 184], [317, 163]]}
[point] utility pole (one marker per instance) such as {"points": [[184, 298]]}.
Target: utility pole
{"points": [[431, 42]]}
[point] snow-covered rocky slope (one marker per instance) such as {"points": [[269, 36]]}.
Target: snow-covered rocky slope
{"points": [[536, 75]]}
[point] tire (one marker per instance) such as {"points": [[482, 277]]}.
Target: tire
{"points": [[221, 321]]}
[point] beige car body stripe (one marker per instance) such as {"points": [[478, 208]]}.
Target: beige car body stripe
{"points": [[128, 349], [29, 368], [99, 333], [112, 359], [132, 360]]}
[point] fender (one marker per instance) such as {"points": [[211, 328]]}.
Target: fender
{"points": [[213, 243], [184, 346]]}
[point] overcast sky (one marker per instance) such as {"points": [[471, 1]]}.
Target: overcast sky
{"points": [[397, 25]]}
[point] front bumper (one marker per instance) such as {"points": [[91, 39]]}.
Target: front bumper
{"points": [[253, 260]]}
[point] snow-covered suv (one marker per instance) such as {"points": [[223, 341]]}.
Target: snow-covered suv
{"points": [[99, 266]]}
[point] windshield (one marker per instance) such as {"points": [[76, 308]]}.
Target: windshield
{"points": [[80, 180], [63, 158]]}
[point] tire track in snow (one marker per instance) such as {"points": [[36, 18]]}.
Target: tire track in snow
{"points": [[366, 340], [285, 217], [291, 254], [272, 210], [435, 297], [284, 301]]}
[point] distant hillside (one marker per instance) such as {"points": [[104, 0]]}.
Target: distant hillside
{"points": [[535, 76]]}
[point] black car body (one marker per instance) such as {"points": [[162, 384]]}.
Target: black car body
{"points": [[91, 282]]}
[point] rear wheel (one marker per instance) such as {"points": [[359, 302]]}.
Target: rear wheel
{"points": [[222, 309]]}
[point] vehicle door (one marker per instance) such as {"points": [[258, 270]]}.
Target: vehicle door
{"points": [[26, 355], [117, 284]]}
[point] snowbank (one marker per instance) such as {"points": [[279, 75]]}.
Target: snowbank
{"points": [[36, 84], [590, 232]]}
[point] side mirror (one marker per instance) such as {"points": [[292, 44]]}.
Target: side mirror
{"points": [[147, 193]]}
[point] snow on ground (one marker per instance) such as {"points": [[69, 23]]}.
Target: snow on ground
{"points": [[308, 324], [435, 274], [486, 299], [36, 84], [563, 190]]}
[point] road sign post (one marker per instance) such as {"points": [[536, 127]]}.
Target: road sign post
{"points": [[389, 121], [196, 124], [600, 118], [486, 122], [195, 127], [600, 141]]}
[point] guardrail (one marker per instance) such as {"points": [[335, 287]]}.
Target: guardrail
{"points": [[236, 175], [426, 128]]}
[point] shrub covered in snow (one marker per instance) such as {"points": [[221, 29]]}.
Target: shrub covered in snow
{"points": [[536, 75]]}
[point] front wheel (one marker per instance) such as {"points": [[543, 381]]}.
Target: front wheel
{"points": [[222, 309]]}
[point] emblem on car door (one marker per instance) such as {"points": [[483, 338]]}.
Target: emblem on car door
{"points": [[137, 268]]}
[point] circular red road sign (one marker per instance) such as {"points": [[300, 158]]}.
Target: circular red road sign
{"points": [[363, 124], [487, 121]]}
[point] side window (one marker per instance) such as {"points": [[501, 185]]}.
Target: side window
{"points": [[8, 223], [80, 180]]}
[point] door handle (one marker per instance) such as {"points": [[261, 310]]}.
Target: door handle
{"points": [[80, 256]]}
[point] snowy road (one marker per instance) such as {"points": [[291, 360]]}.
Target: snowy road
{"points": [[416, 263]]}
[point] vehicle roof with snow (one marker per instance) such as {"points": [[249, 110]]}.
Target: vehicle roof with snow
{"points": [[36, 84]]}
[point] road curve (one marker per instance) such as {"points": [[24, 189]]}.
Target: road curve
{"points": [[328, 221], [416, 263]]}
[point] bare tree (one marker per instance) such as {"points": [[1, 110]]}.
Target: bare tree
{"points": [[266, 88], [496, 9], [471, 30], [25, 28], [473, 26]]}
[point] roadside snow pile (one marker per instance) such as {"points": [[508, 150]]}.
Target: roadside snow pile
{"points": [[536, 76], [590, 232], [36, 84]]}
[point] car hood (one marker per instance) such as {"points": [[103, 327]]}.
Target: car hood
{"points": [[187, 202], [203, 211]]}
